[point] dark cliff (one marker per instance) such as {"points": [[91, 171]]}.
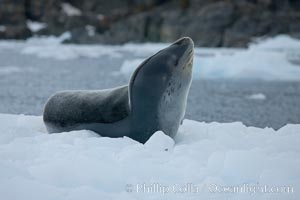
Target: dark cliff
{"points": [[211, 23]]}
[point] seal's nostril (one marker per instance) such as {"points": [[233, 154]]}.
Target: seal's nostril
{"points": [[181, 41], [184, 41]]}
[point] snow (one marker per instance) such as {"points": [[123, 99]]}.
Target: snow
{"points": [[257, 96], [127, 67], [247, 64], [35, 26], [2, 28], [51, 47], [5, 70], [100, 17], [91, 30], [272, 59], [145, 49], [277, 58], [280, 43], [160, 142], [83, 165], [44, 41], [70, 10]]}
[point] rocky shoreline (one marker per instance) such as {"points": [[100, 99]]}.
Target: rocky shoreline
{"points": [[211, 23]]}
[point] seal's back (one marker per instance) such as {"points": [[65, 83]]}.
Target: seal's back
{"points": [[69, 108]]}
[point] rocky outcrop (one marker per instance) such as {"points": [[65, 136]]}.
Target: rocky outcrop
{"points": [[13, 20], [211, 23], [205, 24]]}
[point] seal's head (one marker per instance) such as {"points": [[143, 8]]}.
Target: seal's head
{"points": [[172, 60], [161, 84], [175, 61]]}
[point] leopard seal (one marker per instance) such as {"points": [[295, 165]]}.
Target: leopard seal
{"points": [[155, 99]]}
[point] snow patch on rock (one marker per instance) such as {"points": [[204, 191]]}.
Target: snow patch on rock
{"points": [[70, 10]]}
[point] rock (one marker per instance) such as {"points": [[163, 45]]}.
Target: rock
{"points": [[294, 25], [12, 13], [60, 20], [211, 23], [14, 32], [207, 26], [84, 35], [102, 7], [295, 5], [130, 29], [127, 29], [34, 9], [255, 25], [172, 25], [204, 26], [13, 20], [217, 15], [198, 4], [152, 27]]}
